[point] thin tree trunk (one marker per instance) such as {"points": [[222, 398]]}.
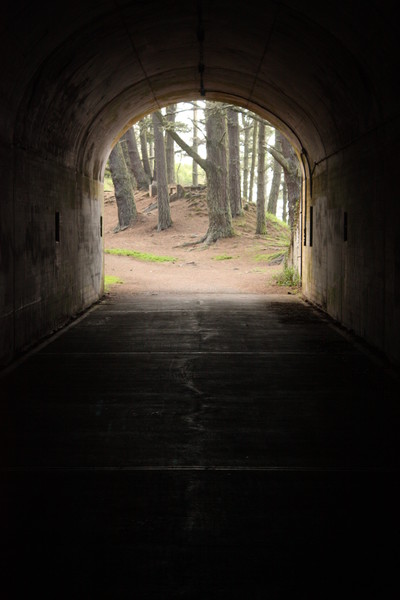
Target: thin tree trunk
{"points": [[234, 162], [285, 199], [195, 169], [276, 178], [245, 158], [164, 214], [261, 228], [135, 162], [123, 187], [144, 149], [169, 145], [253, 160]]}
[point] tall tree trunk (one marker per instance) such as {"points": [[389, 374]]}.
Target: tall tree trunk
{"points": [[292, 179], [195, 169], [245, 157], [234, 162], [285, 199], [164, 214], [276, 178], [261, 228], [135, 162], [253, 160], [123, 187], [169, 145], [144, 149], [219, 212], [124, 146]]}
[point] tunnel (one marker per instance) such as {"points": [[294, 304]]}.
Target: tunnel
{"points": [[77, 74], [199, 447]]}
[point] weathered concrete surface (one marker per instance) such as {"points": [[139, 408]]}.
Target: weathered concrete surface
{"points": [[200, 447], [75, 74]]}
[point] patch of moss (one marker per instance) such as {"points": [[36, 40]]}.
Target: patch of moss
{"points": [[111, 280], [222, 257], [140, 255]]}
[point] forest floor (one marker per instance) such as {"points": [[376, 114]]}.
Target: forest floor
{"points": [[244, 263]]}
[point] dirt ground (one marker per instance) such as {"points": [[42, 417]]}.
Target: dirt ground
{"points": [[197, 269]]}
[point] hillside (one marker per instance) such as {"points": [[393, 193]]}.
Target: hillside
{"points": [[245, 263]]}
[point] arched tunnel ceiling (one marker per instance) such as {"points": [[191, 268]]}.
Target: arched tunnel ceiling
{"points": [[75, 73]]}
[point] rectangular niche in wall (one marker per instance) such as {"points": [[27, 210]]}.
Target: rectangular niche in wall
{"points": [[57, 226]]}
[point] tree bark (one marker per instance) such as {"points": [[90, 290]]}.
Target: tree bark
{"points": [[292, 179], [234, 162], [195, 170], [285, 198], [169, 144], [141, 178], [219, 213], [246, 130], [276, 178], [253, 160], [144, 149], [291, 171], [123, 187], [261, 227], [164, 214]]}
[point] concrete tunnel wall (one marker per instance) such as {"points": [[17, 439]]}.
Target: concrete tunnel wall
{"points": [[76, 73]]}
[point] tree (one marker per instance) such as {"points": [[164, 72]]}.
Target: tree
{"points": [[284, 198], [164, 214], [253, 159], [169, 144], [143, 125], [195, 171], [291, 170], [261, 227], [215, 167], [123, 188], [234, 162], [142, 179], [246, 142], [276, 178]]}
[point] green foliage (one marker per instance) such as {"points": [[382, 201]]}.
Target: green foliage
{"points": [[288, 277], [111, 280], [222, 257], [183, 173], [140, 255]]}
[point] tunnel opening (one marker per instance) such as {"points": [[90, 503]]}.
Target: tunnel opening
{"points": [[262, 185], [73, 78]]}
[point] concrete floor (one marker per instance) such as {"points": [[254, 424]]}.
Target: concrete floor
{"points": [[200, 447]]}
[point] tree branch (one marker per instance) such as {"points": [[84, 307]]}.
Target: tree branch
{"points": [[192, 153]]}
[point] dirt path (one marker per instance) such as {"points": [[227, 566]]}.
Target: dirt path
{"points": [[237, 264]]}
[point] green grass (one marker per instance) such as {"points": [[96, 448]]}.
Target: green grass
{"points": [[140, 255], [222, 257], [288, 277], [270, 257], [111, 280], [274, 219]]}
